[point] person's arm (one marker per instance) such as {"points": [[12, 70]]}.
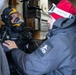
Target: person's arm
{"points": [[4, 67], [47, 57]]}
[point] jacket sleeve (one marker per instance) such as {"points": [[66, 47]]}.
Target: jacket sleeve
{"points": [[46, 58], [4, 67]]}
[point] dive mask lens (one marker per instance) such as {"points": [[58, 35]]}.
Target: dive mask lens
{"points": [[18, 20]]}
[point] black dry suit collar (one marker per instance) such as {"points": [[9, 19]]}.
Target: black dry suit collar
{"points": [[64, 25]]}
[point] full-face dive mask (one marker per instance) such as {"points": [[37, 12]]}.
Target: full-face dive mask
{"points": [[16, 19], [12, 18]]}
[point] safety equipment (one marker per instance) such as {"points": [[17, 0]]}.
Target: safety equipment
{"points": [[63, 9], [59, 11], [13, 10], [18, 20], [7, 18], [7, 12]]}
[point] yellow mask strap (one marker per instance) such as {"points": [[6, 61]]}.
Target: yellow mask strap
{"points": [[16, 25], [13, 11]]}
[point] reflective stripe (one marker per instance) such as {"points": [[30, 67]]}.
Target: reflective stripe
{"points": [[60, 12]]}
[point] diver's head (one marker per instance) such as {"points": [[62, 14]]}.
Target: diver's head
{"points": [[11, 15]]}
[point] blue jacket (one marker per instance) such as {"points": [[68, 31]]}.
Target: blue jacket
{"points": [[55, 56], [4, 67]]}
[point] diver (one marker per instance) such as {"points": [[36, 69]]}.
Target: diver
{"points": [[14, 29]]}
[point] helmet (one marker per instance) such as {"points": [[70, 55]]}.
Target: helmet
{"points": [[9, 20], [7, 12], [13, 10]]}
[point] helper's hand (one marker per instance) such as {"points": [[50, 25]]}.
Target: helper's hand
{"points": [[10, 44]]}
